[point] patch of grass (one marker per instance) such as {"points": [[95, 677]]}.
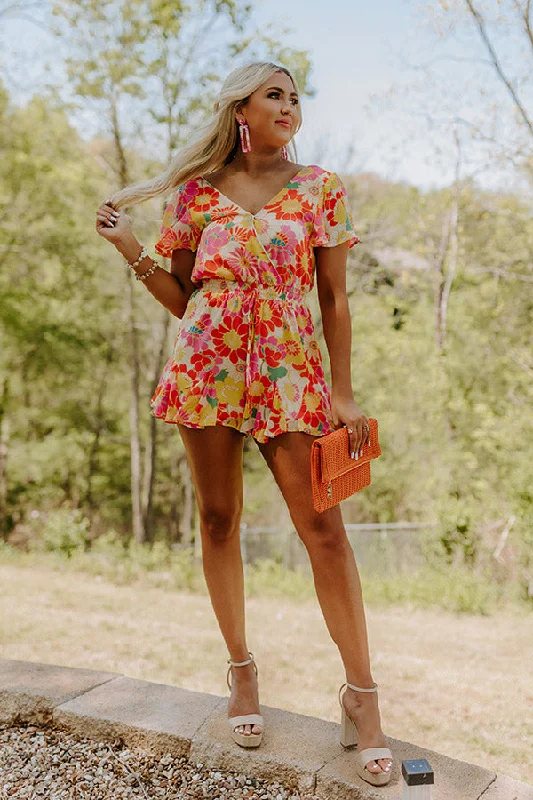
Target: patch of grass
{"points": [[268, 577], [458, 588], [452, 589]]}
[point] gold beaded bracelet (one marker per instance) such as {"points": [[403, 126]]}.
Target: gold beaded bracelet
{"points": [[149, 271], [143, 275], [143, 254]]}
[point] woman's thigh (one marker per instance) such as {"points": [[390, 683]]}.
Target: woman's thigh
{"points": [[288, 457], [214, 455]]}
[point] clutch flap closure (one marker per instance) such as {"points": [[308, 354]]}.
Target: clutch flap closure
{"points": [[334, 449]]}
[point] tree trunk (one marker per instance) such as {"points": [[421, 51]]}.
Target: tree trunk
{"points": [[139, 532], [4, 438], [135, 442], [187, 515], [174, 519], [151, 447], [92, 459], [450, 258]]}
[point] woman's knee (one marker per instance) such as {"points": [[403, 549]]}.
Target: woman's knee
{"points": [[220, 521], [323, 532]]}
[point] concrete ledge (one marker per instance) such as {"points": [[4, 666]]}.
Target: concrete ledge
{"points": [[505, 788], [159, 718], [297, 750], [293, 749], [454, 780], [30, 691]]}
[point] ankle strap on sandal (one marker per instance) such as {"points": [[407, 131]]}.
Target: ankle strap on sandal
{"points": [[241, 663], [357, 689]]}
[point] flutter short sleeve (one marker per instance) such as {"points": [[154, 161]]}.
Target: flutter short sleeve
{"points": [[178, 229], [332, 224]]}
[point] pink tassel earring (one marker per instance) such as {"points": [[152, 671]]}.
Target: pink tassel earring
{"points": [[284, 153], [244, 132]]}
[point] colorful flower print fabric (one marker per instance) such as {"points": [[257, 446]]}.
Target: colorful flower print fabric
{"points": [[245, 354]]}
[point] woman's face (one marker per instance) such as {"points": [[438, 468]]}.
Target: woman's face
{"points": [[272, 112]]}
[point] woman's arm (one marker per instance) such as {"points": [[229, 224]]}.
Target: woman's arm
{"points": [[337, 326], [172, 289], [336, 320]]}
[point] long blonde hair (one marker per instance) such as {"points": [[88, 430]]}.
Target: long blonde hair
{"points": [[215, 143]]}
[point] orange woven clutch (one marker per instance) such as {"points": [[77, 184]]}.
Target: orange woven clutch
{"points": [[335, 475]]}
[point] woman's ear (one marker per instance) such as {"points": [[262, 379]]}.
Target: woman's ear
{"points": [[239, 113]]}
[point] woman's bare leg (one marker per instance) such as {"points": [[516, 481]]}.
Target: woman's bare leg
{"points": [[336, 579], [214, 454]]}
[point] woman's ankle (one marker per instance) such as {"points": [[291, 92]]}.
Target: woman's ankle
{"points": [[243, 674]]}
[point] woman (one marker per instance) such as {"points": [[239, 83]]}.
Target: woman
{"points": [[245, 230]]}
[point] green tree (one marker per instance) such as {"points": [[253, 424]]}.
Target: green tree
{"points": [[149, 62]]}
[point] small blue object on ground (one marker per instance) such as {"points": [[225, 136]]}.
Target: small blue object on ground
{"points": [[417, 779]]}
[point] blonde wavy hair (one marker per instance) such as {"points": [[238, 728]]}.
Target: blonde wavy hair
{"points": [[215, 143]]}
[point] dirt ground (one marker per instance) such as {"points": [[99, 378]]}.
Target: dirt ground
{"points": [[459, 684]]}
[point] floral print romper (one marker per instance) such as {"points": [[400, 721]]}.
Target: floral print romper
{"points": [[245, 355]]}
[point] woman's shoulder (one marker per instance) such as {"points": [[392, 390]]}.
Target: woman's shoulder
{"points": [[186, 192], [316, 169], [314, 173]]}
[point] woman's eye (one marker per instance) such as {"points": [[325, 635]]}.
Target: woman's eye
{"points": [[294, 100]]}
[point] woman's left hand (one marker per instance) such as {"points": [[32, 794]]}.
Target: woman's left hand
{"points": [[345, 411], [111, 224]]}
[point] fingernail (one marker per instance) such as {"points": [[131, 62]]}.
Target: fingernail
{"points": [[116, 214], [353, 455]]}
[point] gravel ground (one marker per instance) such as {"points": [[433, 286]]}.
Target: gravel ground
{"points": [[44, 762]]}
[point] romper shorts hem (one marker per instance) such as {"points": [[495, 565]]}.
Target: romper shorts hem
{"points": [[259, 434]]}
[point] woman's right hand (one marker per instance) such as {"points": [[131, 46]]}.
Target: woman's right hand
{"points": [[111, 224]]}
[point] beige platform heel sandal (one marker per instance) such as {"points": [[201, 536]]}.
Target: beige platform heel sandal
{"points": [[244, 739], [363, 757]]}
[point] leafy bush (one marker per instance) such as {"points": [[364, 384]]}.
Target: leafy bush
{"points": [[66, 531], [453, 589]]}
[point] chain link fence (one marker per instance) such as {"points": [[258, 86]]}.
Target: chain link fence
{"points": [[383, 548]]}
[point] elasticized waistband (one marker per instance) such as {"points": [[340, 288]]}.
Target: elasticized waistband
{"points": [[263, 291]]}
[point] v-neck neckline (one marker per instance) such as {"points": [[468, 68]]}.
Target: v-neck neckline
{"points": [[269, 203]]}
